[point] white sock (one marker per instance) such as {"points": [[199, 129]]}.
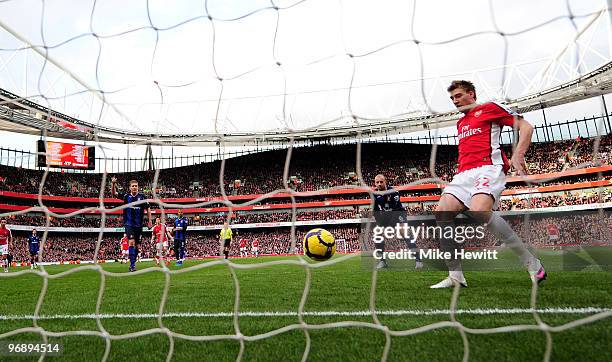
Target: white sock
{"points": [[500, 228], [454, 265], [457, 275]]}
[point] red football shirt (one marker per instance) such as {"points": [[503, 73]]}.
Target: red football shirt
{"points": [[255, 243], [479, 133], [5, 233], [242, 243], [160, 233], [125, 245]]}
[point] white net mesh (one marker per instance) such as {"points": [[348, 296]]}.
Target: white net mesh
{"points": [[101, 102]]}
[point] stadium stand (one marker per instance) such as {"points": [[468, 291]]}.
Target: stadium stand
{"points": [[386, 158], [62, 192]]}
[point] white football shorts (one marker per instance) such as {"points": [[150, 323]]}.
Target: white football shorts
{"points": [[488, 179]]}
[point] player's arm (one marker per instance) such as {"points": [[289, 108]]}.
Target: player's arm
{"points": [[396, 204], [377, 211], [149, 215], [398, 207], [504, 116], [525, 130], [114, 187]]}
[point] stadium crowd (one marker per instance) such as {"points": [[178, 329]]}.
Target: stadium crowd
{"points": [[387, 158], [585, 228], [527, 201]]}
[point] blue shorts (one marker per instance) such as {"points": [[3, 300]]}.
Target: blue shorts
{"points": [[33, 251], [133, 232]]}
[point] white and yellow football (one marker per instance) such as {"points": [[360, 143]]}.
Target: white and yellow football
{"points": [[319, 244]]}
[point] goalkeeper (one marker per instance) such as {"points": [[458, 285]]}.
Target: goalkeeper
{"points": [[389, 211]]}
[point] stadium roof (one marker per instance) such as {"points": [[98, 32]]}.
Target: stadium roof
{"points": [[23, 116], [210, 78]]}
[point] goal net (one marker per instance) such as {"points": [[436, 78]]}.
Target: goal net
{"points": [[300, 73]]}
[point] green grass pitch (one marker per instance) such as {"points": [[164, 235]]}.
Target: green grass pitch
{"points": [[342, 287]]}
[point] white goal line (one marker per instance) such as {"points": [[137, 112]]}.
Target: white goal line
{"points": [[362, 313]]}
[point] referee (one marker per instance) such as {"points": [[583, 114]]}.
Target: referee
{"points": [[225, 238]]}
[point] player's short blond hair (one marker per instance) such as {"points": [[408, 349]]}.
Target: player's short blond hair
{"points": [[133, 182]]}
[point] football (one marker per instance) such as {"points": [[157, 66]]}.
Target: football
{"points": [[319, 244]]}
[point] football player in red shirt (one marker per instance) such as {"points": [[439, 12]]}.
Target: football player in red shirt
{"points": [[255, 247], [160, 238], [125, 245], [6, 239], [243, 247], [481, 176]]}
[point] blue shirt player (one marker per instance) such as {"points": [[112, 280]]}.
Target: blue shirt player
{"points": [[133, 216], [180, 231], [389, 211], [33, 247]]}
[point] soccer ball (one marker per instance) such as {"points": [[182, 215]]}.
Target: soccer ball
{"points": [[319, 244]]}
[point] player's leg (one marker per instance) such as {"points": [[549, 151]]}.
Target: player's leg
{"points": [[138, 241], [4, 252], [132, 253], [481, 210], [182, 250], [177, 252], [449, 206], [158, 253], [380, 245], [411, 244], [166, 256], [226, 247], [415, 249]]}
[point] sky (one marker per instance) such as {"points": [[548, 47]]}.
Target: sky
{"points": [[244, 66]]}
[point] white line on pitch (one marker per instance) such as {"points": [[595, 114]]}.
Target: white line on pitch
{"points": [[362, 313]]}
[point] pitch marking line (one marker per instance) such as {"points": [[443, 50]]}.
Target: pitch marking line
{"points": [[362, 313]]}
